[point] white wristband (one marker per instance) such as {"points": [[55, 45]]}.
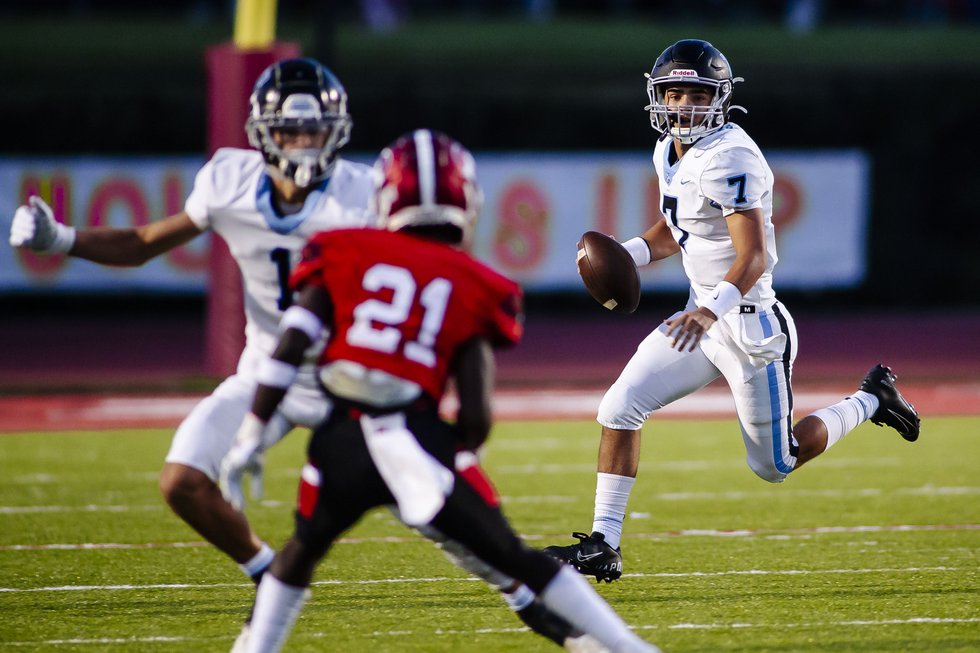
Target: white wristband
{"points": [[724, 298], [64, 238], [251, 429], [275, 373], [302, 319], [639, 250]]}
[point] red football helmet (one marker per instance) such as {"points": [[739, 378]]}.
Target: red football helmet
{"points": [[427, 180]]}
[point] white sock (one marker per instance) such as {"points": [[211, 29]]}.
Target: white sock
{"points": [[519, 598], [571, 597], [259, 562], [611, 494], [844, 416], [277, 605]]}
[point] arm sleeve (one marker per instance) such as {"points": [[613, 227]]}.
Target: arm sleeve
{"points": [[736, 180], [507, 325], [196, 206]]}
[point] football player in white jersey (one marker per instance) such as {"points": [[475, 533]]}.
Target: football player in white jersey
{"points": [[716, 199], [265, 203]]}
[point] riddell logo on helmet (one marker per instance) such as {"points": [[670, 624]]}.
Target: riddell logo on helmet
{"points": [[683, 72]]}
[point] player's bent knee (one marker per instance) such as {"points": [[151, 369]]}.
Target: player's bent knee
{"points": [[766, 471], [617, 411], [180, 484]]}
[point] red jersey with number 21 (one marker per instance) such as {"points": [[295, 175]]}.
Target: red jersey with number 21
{"points": [[404, 304]]}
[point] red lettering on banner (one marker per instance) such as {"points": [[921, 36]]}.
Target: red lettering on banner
{"points": [[787, 201], [520, 241], [115, 191], [607, 207], [173, 193], [54, 190], [183, 258]]}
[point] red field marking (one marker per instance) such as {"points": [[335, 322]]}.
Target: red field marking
{"points": [[92, 412], [99, 412]]}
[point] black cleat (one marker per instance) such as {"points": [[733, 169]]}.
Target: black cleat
{"points": [[591, 557], [547, 624], [893, 409]]}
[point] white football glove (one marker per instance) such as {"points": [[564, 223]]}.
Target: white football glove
{"points": [[246, 456], [34, 227]]}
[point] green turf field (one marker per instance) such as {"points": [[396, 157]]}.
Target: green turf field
{"points": [[872, 548]]}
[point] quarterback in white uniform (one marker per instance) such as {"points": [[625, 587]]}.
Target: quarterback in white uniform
{"points": [[265, 203], [716, 198]]}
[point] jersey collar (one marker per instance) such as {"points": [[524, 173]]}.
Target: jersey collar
{"points": [[283, 224]]}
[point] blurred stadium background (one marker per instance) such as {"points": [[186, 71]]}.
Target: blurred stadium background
{"points": [[869, 107], [866, 110]]}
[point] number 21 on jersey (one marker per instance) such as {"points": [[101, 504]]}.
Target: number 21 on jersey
{"points": [[433, 299]]}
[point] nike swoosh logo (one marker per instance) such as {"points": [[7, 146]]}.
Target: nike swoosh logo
{"points": [[908, 425], [584, 558], [685, 181]]}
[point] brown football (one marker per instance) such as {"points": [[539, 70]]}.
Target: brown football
{"points": [[608, 272]]}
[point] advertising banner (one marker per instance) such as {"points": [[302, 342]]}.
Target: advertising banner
{"points": [[536, 208], [539, 205], [101, 192]]}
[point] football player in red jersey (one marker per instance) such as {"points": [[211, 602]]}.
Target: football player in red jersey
{"points": [[407, 308]]}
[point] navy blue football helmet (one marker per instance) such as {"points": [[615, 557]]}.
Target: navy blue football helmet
{"points": [[690, 62], [298, 94]]}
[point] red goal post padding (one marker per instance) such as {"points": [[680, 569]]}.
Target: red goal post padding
{"points": [[231, 73]]}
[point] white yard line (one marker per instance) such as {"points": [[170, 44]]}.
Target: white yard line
{"points": [[110, 640], [670, 466], [818, 624], [30, 510], [467, 579], [739, 495], [817, 530], [911, 621]]}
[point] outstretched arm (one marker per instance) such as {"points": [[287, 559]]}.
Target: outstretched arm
{"points": [[34, 227], [134, 246]]}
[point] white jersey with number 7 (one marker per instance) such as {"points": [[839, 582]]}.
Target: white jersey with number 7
{"points": [[722, 173]]}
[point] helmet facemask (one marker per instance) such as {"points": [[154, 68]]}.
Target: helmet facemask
{"points": [[689, 123], [446, 223], [305, 166], [301, 95]]}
